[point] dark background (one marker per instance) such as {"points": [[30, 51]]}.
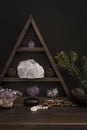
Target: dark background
{"points": [[62, 23]]}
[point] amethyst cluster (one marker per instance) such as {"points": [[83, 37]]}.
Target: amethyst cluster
{"points": [[52, 92], [7, 96]]}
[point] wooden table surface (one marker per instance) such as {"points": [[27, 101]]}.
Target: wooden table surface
{"points": [[21, 118]]}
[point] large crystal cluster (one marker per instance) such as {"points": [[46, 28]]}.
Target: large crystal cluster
{"points": [[8, 96], [30, 69]]}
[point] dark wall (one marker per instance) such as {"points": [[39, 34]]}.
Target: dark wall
{"points": [[63, 24]]}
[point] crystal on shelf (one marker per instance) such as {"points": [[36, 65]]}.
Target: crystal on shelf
{"points": [[31, 44], [33, 91], [8, 96], [52, 92], [30, 69]]}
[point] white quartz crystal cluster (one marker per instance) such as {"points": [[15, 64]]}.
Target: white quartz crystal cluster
{"points": [[38, 107], [30, 69]]}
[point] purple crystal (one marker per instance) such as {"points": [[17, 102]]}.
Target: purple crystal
{"points": [[49, 93], [52, 92], [9, 94], [31, 44], [33, 91]]}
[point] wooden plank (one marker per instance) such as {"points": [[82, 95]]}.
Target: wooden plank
{"points": [[51, 117], [15, 79], [26, 49], [62, 100], [44, 127]]}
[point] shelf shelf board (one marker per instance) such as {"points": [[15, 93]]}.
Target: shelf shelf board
{"points": [[26, 49], [16, 79], [20, 100]]}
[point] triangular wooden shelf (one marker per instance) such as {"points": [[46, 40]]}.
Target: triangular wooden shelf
{"points": [[44, 48]]}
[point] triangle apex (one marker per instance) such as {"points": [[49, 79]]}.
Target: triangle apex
{"points": [[31, 16]]}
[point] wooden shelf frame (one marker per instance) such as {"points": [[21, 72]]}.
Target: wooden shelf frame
{"points": [[43, 43], [16, 79], [35, 49]]}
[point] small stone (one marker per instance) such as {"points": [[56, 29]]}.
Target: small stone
{"points": [[80, 91], [43, 107], [39, 107], [33, 91], [46, 107], [35, 108], [50, 72], [11, 72], [31, 44], [31, 101]]}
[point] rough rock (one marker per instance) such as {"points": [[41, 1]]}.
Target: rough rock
{"points": [[33, 91], [31, 44], [30, 69]]}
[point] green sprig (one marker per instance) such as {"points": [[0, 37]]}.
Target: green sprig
{"points": [[69, 62]]}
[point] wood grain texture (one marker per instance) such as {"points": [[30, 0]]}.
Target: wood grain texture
{"points": [[26, 49], [21, 118], [14, 79]]}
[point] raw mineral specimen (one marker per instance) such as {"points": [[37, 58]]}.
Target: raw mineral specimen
{"points": [[31, 101], [49, 72], [31, 44], [11, 72], [8, 96], [33, 91], [30, 69], [52, 92]]}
